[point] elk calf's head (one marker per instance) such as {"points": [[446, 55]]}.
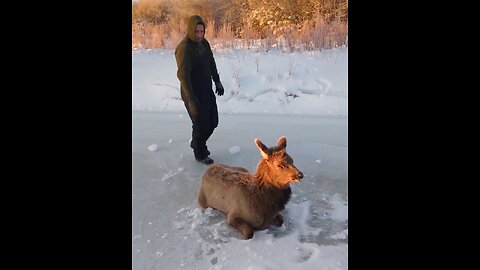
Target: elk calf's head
{"points": [[278, 164]]}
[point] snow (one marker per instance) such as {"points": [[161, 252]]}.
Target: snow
{"points": [[153, 147], [234, 150], [313, 83]]}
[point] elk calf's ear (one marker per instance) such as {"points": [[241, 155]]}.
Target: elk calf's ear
{"points": [[282, 142], [263, 149]]}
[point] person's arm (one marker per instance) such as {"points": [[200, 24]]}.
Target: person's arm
{"points": [[213, 66], [213, 69], [184, 64]]}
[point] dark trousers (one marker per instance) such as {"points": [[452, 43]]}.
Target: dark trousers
{"points": [[199, 140], [204, 123]]}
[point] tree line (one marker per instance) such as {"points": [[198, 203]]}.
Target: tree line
{"points": [[291, 24]]}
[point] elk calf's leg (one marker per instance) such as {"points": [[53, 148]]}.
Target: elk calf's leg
{"points": [[202, 200], [278, 220], [241, 225]]}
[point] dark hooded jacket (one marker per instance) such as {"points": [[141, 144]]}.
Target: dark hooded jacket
{"points": [[196, 67]]}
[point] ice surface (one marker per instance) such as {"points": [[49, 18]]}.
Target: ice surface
{"points": [[169, 231]]}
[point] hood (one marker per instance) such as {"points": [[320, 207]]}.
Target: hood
{"points": [[192, 23]]}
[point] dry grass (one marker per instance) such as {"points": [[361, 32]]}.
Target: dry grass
{"points": [[254, 24], [316, 34]]}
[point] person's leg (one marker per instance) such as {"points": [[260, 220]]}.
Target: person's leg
{"points": [[201, 154], [213, 121], [198, 141], [200, 133], [208, 133]]}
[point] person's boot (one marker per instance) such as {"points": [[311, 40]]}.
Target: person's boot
{"points": [[201, 155], [206, 160]]}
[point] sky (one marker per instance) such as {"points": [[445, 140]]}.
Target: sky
{"points": [[302, 96]]}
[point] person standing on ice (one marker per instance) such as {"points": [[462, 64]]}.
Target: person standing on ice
{"points": [[196, 69]]}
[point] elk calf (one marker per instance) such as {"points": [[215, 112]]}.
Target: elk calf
{"points": [[251, 202]]}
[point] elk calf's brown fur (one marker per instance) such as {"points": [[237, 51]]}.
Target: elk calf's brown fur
{"points": [[251, 201]]}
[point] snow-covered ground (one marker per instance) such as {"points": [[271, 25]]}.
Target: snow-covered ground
{"points": [[310, 83]]}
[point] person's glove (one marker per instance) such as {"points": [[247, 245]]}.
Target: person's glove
{"points": [[219, 88]]}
